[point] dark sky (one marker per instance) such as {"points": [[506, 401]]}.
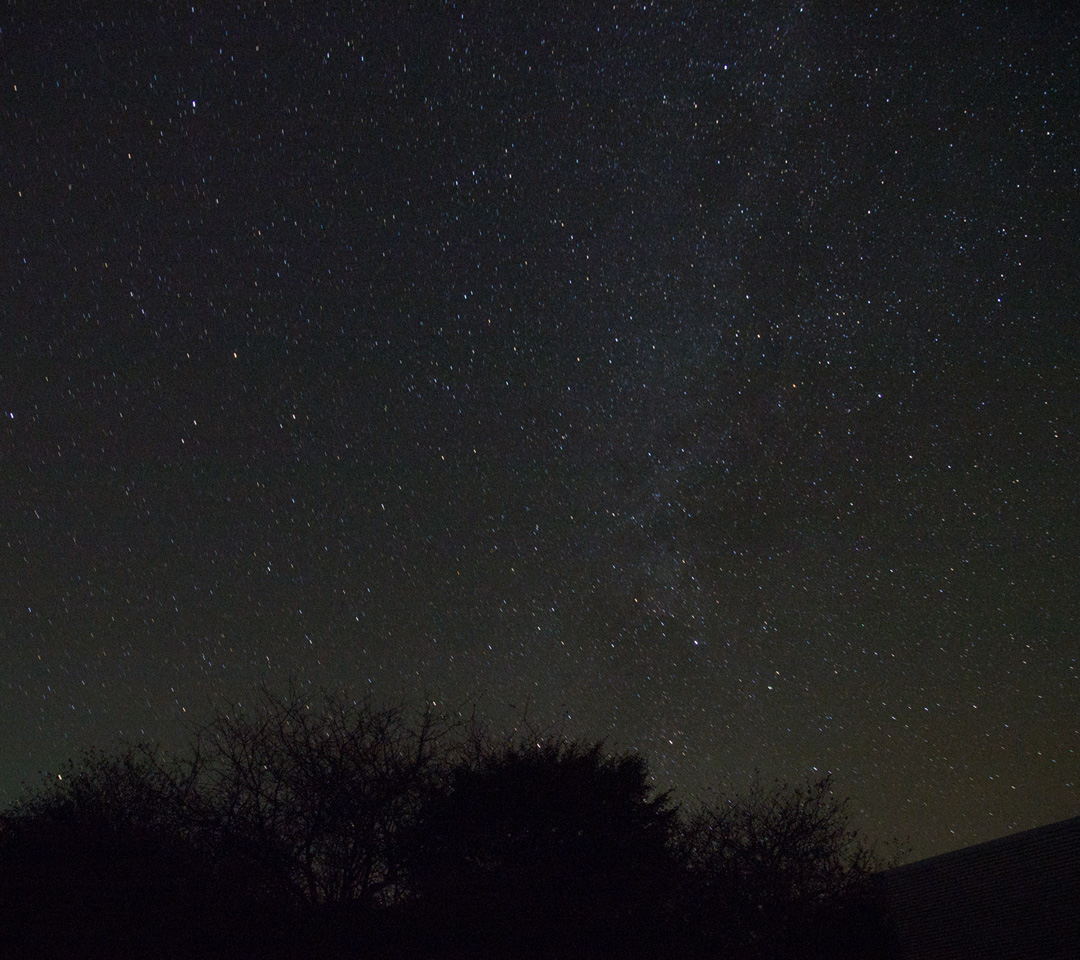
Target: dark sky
{"points": [[705, 380]]}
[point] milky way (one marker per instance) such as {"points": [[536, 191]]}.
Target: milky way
{"points": [[702, 381]]}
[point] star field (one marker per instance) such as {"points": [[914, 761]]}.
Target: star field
{"points": [[705, 379]]}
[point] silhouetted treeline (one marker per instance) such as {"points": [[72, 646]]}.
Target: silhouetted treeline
{"points": [[341, 830]]}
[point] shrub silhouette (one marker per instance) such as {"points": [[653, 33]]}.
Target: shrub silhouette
{"points": [[534, 849], [779, 873], [101, 867]]}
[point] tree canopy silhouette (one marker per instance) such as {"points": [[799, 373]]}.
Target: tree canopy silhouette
{"points": [[333, 826], [537, 847]]}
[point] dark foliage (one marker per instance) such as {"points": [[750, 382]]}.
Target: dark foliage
{"points": [[540, 848], [340, 830]]}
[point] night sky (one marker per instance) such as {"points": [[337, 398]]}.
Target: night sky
{"points": [[701, 377]]}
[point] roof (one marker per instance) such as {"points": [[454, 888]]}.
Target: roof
{"points": [[1014, 898]]}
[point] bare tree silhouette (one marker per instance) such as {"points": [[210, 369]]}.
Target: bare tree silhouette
{"points": [[320, 789]]}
